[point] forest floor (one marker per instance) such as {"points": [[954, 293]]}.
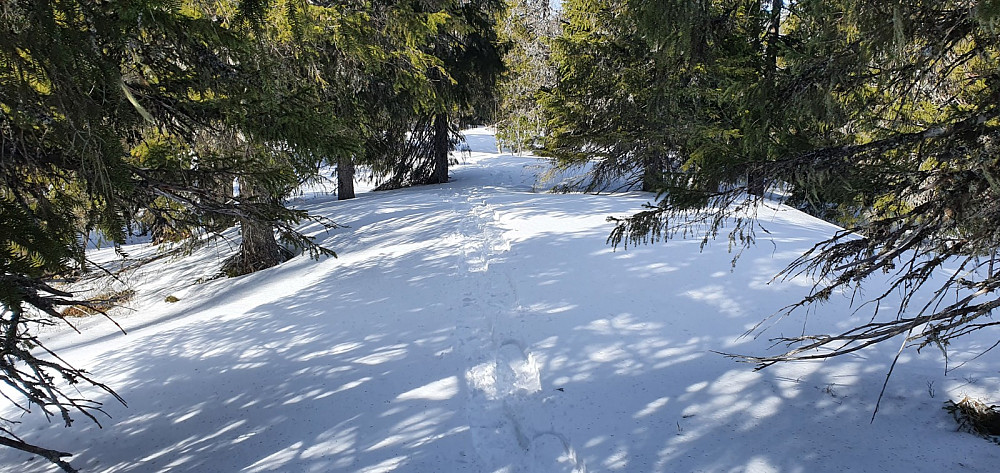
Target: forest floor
{"points": [[485, 326]]}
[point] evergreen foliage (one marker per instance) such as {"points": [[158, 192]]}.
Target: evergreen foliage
{"points": [[594, 110], [642, 85], [140, 115], [464, 63], [887, 127], [528, 28]]}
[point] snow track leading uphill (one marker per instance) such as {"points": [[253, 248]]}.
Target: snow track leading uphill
{"points": [[506, 406]]}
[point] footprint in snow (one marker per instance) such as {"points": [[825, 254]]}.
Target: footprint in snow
{"points": [[516, 370], [552, 453]]}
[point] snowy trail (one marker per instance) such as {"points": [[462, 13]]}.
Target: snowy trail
{"points": [[511, 428], [482, 326]]}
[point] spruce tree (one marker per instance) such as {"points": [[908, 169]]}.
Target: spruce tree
{"points": [[141, 115], [627, 98], [591, 114], [68, 116], [528, 28], [880, 116], [464, 60], [118, 115]]}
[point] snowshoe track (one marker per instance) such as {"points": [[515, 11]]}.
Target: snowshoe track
{"points": [[511, 429]]}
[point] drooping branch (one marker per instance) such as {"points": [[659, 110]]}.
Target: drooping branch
{"points": [[41, 381], [53, 456]]}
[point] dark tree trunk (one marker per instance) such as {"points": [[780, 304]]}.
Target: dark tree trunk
{"points": [[756, 179], [442, 145], [774, 35], [711, 185], [345, 178], [222, 190], [258, 250], [756, 184], [652, 172]]}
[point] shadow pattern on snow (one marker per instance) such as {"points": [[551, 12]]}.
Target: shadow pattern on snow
{"points": [[361, 363]]}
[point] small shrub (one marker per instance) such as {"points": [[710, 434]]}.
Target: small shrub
{"points": [[976, 417], [171, 299], [99, 304]]}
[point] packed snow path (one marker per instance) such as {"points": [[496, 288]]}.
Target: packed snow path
{"points": [[485, 326]]}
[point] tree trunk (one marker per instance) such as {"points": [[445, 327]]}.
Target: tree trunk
{"points": [[258, 250], [711, 185], [441, 148], [756, 183], [774, 35], [345, 178], [222, 190], [756, 180], [652, 172]]}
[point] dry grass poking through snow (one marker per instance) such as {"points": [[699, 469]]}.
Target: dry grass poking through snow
{"points": [[100, 303], [976, 417]]}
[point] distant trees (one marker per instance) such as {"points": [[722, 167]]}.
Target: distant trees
{"points": [[528, 27], [605, 106], [881, 116], [421, 128], [642, 89], [141, 115]]}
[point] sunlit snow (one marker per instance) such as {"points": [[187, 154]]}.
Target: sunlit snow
{"points": [[485, 326]]}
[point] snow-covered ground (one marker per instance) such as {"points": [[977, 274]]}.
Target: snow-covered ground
{"points": [[485, 326]]}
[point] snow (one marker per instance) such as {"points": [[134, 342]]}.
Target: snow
{"points": [[485, 326]]}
